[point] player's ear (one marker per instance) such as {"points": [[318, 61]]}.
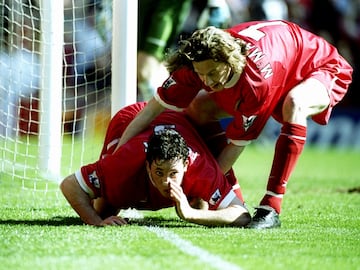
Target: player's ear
{"points": [[186, 164], [147, 165]]}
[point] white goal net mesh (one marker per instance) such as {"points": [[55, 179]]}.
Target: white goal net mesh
{"points": [[85, 88]]}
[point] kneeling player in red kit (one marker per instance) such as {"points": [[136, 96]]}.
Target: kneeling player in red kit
{"points": [[166, 165]]}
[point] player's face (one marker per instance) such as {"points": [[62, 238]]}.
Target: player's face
{"points": [[161, 173], [213, 74]]}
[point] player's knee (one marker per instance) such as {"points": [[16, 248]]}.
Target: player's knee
{"points": [[292, 108]]}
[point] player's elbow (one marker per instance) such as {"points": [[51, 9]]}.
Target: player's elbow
{"points": [[240, 217], [68, 186], [242, 220], [64, 185], [65, 182]]}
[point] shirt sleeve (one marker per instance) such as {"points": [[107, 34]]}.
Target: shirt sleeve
{"points": [[177, 92], [210, 185], [204, 178], [109, 176]]}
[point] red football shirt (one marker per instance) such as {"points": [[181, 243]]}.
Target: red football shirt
{"points": [[121, 177], [281, 55]]}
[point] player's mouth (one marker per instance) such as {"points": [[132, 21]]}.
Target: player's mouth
{"points": [[216, 87], [166, 192]]}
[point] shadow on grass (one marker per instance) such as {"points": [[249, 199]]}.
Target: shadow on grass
{"points": [[161, 222], [350, 190], [75, 221], [55, 221], [354, 190]]}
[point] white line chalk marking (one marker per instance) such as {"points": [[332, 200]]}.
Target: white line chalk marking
{"points": [[187, 247]]}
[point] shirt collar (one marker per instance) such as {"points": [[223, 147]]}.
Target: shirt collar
{"points": [[234, 79]]}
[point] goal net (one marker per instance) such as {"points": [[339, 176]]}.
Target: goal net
{"points": [[55, 87]]}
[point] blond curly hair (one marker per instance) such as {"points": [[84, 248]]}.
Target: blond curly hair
{"points": [[208, 43]]}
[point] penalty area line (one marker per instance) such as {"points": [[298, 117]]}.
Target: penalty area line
{"points": [[187, 247]]}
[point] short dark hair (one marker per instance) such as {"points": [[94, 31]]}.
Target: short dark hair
{"points": [[167, 145]]}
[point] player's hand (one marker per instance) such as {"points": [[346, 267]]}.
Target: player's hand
{"points": [[113, 221], [183, 207]]}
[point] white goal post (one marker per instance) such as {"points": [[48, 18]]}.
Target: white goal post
{"points": [[67, 66], [51, 44], [125, 48]]}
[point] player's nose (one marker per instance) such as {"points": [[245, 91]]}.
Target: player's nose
{"points": [[166, 181]]}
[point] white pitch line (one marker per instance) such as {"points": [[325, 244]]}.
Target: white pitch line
{"points": [[187, 247]]}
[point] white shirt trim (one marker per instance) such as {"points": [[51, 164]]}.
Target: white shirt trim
{"points": [[162, 103], [83, 185], [234, 79], [227, 200]]}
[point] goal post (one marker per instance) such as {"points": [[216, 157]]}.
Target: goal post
{"points": [[124, 51], [52, 37], [66, 67]]}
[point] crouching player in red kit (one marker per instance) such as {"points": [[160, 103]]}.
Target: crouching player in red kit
{"points": [[250, 72], [166, 165]]}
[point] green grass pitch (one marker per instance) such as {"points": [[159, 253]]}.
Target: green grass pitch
{"points": [[320, 226]]}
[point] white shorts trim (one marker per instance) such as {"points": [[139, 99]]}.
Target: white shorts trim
{"points": [[240, 142], [112, 143]]}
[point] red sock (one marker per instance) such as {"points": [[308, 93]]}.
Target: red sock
{"points": [[231, 178], [288, 149]]}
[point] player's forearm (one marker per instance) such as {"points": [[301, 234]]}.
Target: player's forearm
{"points": [[141, 121], [79, 201], [234, 215]]}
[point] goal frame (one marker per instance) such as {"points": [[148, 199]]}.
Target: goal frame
{"points": [[123, 73]]}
